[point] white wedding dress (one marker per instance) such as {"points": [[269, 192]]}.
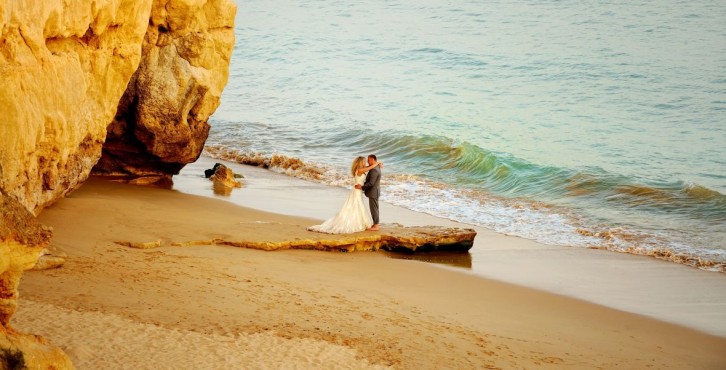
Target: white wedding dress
{"points": [[352, 217]]}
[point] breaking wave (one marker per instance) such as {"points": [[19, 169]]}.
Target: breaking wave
{"points": [[499, 193]]}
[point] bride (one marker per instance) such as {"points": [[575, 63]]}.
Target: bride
{"points": [[353, 215]]}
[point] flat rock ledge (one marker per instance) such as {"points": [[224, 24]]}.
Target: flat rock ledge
{"points": [[394, 238]]}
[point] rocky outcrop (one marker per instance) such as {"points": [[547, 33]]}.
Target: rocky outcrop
{"points": [[22, 239], [64, 65], [395, 238], [161, 121], [224, 180], [64, 68]]}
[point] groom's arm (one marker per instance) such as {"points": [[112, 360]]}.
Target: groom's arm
{"points": [[370, 180]]}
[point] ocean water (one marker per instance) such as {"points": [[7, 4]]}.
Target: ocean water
{"points": [[581, 124]]}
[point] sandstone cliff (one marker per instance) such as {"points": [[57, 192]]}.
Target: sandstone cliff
{"points": [[73, 71], [161, 122], [64, 65]]}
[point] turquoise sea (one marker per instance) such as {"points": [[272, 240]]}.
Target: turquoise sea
{"points": [[585, 124]]}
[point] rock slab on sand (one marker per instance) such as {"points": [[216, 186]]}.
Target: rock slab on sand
{"points": [[394, 238]]}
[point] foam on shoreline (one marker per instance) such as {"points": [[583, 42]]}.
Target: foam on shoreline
{"points": [[531, 220]]}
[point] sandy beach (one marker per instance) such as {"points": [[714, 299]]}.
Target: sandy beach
{"points": [[515, 304]]}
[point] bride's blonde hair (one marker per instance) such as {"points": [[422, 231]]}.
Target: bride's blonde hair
{"points": [[356, 164]]}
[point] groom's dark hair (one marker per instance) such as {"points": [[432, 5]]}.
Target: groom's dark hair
{"points": [[373, 156]]}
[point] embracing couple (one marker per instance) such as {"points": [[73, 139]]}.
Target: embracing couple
{"points": [[353, 215]]}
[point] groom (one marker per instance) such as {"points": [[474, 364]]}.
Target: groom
{"points": [[372, 189]]}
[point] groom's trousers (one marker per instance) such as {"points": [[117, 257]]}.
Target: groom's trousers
{"points": [[373, 203]]}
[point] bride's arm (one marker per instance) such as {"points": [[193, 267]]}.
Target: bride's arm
{"points": [[368, 168]]}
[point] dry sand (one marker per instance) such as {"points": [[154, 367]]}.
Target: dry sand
{"points": [[98, 340], [214, 307]]}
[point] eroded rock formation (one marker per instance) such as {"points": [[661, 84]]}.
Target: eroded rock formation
{"points": [[64, 65], [22, 239], [161, 122]]}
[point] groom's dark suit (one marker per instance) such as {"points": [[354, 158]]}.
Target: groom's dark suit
{"points": [[372, 189]]}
